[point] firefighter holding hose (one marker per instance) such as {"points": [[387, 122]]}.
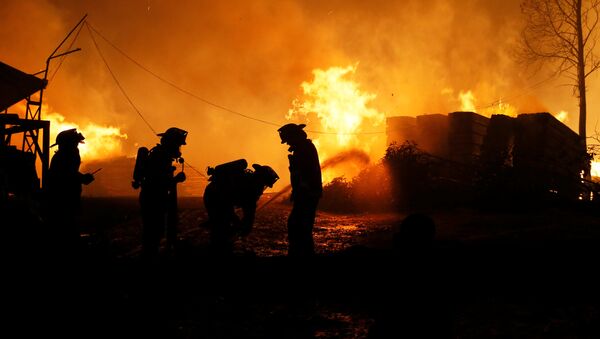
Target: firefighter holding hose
{"points": [[307, 189]]}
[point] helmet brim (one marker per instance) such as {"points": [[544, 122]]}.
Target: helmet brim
{"points": [[56, 143]]}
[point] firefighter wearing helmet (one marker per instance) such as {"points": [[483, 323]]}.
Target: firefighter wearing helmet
{"points": [[64, 189], [154, 173], [233, 186], [307, 188]]}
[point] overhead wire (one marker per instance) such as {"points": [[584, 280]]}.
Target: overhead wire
{"points": [[271, 123], [93, 31], [175, 85], [117, 80], [208, 102], [221, 107], [522, 93], [128, 98]]}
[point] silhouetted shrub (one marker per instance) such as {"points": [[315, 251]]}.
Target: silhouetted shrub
{"points": [[369, 191], [337, 196], [410, 175]]}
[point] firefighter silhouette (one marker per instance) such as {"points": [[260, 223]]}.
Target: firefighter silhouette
{"points": [[233, 186], [307, 189], [154, 173], [64, 189]]}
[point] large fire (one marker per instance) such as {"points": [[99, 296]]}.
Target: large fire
{"points": [[101, 142], [335, 105]]}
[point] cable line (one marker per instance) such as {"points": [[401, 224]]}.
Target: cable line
{"points": [[176, 86], [527, 90], [128, 98], [117, 81], [208, 102]]}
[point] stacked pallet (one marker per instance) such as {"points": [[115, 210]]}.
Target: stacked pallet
{"points": [[432, 132], [466, 134], [547, 150], [499, 141]]}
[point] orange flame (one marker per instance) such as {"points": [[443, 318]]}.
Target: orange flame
{"points": [[343, 112], [562, 116], [101, 142], [595, 169], [468, 103]]}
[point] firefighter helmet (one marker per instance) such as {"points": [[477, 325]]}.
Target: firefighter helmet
{"points": [[69, 136], [174, 135], [291, 131], [266, 174]]}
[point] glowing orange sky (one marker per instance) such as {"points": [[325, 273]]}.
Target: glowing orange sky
{"points": [[252, 57]]}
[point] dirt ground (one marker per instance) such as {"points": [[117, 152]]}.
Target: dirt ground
{"points": [[509, 274]]}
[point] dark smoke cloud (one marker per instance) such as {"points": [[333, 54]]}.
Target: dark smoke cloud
{"points": [[251, 56]]}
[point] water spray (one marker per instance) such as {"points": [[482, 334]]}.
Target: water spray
{"points": [[354, 155]]}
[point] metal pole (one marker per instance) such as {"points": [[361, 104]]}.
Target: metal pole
{"points": [[68, 35]]}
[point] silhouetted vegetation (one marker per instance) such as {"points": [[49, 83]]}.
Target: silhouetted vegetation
{"points": [[407, 179], [421, 181], [410, 175], [369, 191], [337, 196]]}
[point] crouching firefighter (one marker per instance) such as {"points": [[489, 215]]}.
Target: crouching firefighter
{"points": [[154, 173], [232, 186]]}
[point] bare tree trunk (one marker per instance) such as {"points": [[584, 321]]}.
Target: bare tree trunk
{"points": [[581, 75], [581, 85]]}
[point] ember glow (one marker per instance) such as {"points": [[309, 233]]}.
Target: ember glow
{"points": [[342, 113]]}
